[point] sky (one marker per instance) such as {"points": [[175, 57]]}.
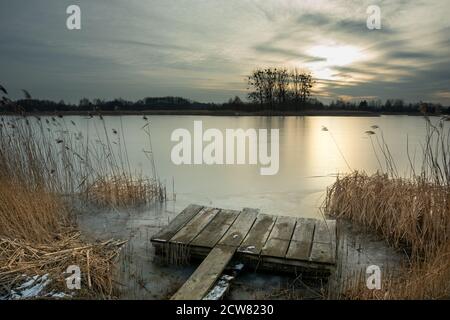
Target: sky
{"points": [[204, 49]]}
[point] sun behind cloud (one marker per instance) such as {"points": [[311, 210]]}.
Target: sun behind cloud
{"points": [[331, 57], [336, 55]]}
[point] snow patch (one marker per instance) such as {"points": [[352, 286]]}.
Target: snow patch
{"points": [[220, 288], [33, 287]]}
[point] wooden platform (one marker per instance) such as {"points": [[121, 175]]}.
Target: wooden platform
{"points": [[266, 242]]}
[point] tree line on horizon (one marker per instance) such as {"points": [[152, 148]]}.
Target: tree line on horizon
{"points": [[269, 89]]}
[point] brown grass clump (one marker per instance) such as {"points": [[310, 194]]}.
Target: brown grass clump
{"points": [[421, 280], [43, 168], [34, 215], [57, 156], [20, 257], [124, 191], [37, 237], [412, 214]]}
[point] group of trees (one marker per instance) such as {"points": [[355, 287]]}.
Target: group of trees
{"points": [[279, 87]]}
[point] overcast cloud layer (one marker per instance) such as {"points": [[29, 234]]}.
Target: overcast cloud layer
{"points": [[203, 49]]}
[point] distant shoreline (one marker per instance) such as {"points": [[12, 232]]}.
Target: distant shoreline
{"points": [[191, 112]]}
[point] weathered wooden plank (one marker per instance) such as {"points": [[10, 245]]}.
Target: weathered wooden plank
{"points": [[302, 239], [258, 234], [323, 232], [275, 248], [203, 279], [177, 223], [283, 228], [239, 229], [304, 230], [299, 250], [308, 269], [324, 243], [322, 252], [333, 234], [278, 242], [194, 226], [214, 231]]}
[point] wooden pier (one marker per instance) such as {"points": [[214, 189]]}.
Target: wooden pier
{"points": [[262, 241]]}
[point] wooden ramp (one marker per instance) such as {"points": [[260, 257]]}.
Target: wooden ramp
{"points": [[206, 275], [266, 242]]}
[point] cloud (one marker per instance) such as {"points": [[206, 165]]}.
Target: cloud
{"points": [[204, 49], [285, 54], [152, 45]]}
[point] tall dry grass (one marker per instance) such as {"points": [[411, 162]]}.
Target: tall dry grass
{"points": [[21, 259], [427, 279], [125, 191], [38, 236], [46, 167], [57, 155], [412, 214], [409, 214], [34, 215]]}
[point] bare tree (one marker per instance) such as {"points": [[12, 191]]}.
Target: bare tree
{"points": [[282, 85], [263, 83], [256, 80], [272, 86], [296, 85], [302, 84], [269, 84]]}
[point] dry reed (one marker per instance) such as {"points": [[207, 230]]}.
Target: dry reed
{"points": [[57, 156], [34, 215], [37, 237], [122, 191], [175, 254], [418, 281], [412, 214], [46, 164], [20, 257]]}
